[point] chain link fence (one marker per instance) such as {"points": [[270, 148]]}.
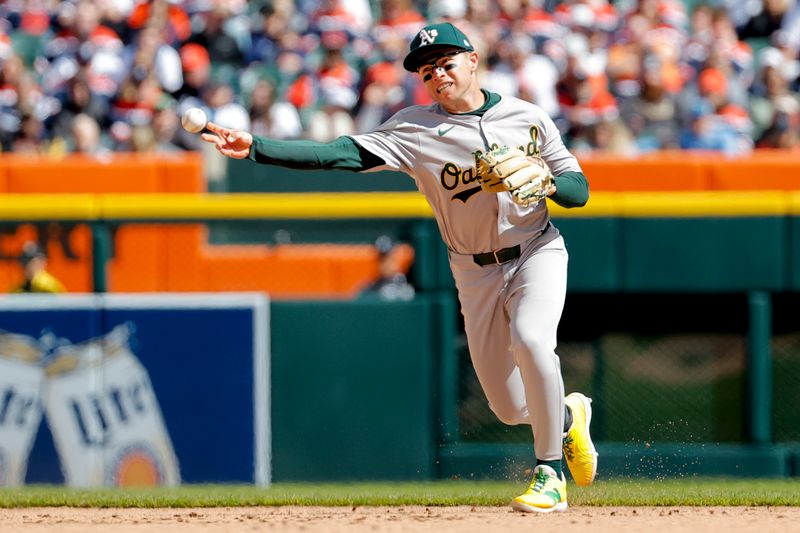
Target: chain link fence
{"points": [[670, 388], [786, 379]]}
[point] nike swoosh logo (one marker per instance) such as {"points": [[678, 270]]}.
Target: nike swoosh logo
{"points": [[443, 131], [554, 494], [466, 194]]}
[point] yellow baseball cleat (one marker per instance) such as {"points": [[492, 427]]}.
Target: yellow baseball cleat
{"points": [[546, 494], [578, 447]]}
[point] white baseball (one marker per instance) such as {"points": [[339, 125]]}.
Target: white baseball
{"points": [[194, 120]]}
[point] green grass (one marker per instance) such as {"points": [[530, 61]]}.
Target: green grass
{"points": [[690, 491]]}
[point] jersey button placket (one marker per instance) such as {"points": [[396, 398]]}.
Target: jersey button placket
{"points": [[501, 211]]}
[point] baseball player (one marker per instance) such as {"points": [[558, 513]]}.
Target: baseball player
{"points": [[485, 163]]}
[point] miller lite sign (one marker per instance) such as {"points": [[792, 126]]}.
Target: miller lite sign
{"points": [[20, 404], [104, 416]]}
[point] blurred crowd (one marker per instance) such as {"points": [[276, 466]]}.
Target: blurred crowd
{"points": [[628, 76]]}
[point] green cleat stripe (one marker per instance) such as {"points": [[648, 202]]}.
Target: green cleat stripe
{"points": [[555, 494]]}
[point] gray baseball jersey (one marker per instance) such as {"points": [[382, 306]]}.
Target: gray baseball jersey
{"points": [[437, 149], [511, 311]]}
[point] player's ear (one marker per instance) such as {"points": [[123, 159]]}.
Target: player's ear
{"points": [[473, 61]]}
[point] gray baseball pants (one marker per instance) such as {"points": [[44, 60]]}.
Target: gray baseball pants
{"points": [[511, 315]]}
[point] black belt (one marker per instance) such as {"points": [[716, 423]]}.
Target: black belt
{"points": [[497, 258], [502, 256]]}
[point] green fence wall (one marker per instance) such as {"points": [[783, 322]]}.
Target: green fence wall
{"points": [[244, 176], [713, 276], [368, 390], [354, 387], [607, 254], [699, 255]]}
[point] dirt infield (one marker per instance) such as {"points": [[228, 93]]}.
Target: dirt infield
{"points": [[399, 519]]}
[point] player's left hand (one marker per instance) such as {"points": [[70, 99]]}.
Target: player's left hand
{"points": [[534, 189], [527, 178], [229, 142]]}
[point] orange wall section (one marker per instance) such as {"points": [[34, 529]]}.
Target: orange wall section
{"points": [[609, 173], [79, 174], [136, 265], [763, 173], [172, 257], [681, 170], [4, 162]]}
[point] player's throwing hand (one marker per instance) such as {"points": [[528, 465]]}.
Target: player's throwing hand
{"points": [[231, 143]]}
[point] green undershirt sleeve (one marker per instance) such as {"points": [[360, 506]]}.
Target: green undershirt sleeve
{"points": [[572, 189], [342, 153]]}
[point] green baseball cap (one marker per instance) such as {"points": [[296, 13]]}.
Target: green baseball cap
{"points": [[431, 39]]}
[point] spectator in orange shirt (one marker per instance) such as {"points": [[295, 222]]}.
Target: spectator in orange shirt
{"points": [[399, 19], [172, 18]]}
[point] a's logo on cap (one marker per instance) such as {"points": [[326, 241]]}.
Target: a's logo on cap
{"points": [[428, 36]]}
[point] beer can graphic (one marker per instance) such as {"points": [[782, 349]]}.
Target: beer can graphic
{"points": [[20, 404], [105, 417]]}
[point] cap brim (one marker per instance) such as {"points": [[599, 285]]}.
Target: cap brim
{"points": [[421, 55]]}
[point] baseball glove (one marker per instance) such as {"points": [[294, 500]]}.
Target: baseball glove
{"points": [[528, 179]]}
